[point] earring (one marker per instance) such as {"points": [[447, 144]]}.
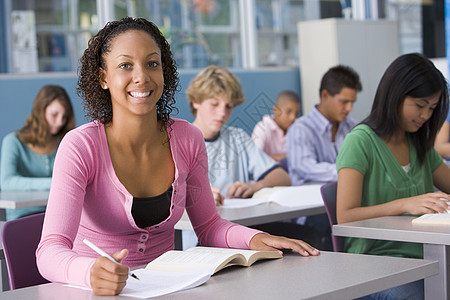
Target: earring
{"points": [[105, 87]]}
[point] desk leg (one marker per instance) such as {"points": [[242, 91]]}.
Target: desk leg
{"points": [[436, 286]]}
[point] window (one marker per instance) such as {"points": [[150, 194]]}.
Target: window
{"points": [[230, 33], [62, 31], [200, 32]]}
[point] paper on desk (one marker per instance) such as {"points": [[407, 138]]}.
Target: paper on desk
{"points": [[438, 218], [158, 283], [241, 202], [290, 196]]}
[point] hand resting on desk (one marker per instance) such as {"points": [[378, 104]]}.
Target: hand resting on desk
{"points": [[243, 190], [427, 203], [236, 190], [267, 242]]}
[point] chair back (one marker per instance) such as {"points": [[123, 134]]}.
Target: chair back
{"points": [[284, 164], [328, 192], [20, 239]]}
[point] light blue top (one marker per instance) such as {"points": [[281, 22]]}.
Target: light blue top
{"points": [[311, 155], [22, 169], [233, 156]]}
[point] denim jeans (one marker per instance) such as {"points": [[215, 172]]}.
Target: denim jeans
{"points": [[409, 291]]}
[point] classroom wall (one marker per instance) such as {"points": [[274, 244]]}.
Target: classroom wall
{"points": [[260, 87]]}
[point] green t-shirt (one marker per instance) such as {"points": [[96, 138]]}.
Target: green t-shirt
{"points": [[385, 180]]}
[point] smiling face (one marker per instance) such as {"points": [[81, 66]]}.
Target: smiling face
{"points": [[133, 73], [212, 114], [414, 112], [55, 115], [337, 107]]}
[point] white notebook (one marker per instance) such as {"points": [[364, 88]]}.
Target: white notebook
{"points": [[443, 218], [291, 196]]}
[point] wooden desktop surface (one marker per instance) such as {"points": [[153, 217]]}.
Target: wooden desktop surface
{"points": [[327, 276]]}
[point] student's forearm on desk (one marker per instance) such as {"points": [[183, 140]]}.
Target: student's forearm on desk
{"points": [[421, 204], [349, 199], [362, 213], [277, 177]]}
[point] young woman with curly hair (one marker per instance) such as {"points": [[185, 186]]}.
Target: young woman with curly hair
{"points": [[29, 153], [124, 179]]}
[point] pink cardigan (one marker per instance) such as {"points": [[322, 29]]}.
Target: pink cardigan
{"points": [[87, 200]]}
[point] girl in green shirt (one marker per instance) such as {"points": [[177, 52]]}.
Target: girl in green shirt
{"points": [[387, 165]]}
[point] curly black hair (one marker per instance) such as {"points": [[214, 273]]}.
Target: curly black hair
{"points": [[97, 101]]}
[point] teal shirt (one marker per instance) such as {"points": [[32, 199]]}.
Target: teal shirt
{"points": [[22, 169], [385, 180]]}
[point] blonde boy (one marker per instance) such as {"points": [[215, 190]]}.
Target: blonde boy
{"points": [[270, 133], [237, 168]]}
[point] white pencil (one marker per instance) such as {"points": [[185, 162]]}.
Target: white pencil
{"points": [[103, 253]]}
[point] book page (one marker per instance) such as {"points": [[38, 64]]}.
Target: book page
{"points": [[225, 251], [303, 195], [190, 260], [242, 202], [443, 218], [250, 255], [290, 196], [265, 193]]}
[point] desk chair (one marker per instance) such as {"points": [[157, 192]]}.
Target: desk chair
{"points": [[328, 192], [284, 164], [20, 239]]}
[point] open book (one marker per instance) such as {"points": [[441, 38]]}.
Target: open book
{"points": [[443, 218], [290, 196], [178, 270]]}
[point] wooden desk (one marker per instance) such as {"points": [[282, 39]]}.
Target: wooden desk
{"points": [[435, 239], [327, 276], [21, 199]]}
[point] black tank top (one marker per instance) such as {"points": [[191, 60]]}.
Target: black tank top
{"points": [[149, 211]]}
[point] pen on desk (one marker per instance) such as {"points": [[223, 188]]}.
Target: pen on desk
{"points": [[103, 253]]}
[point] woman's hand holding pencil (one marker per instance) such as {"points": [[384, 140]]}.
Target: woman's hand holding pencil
{"points": [[108, 276]]}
